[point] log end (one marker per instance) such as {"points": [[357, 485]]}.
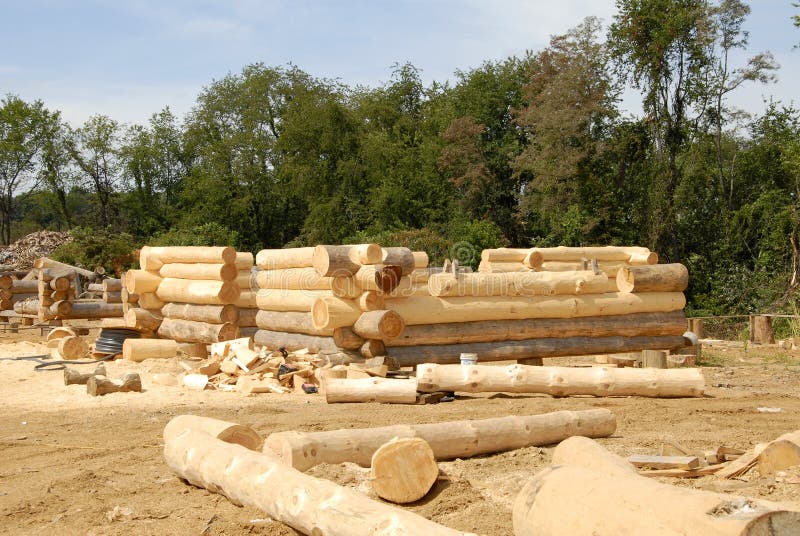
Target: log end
{"points": [[404, 470]]}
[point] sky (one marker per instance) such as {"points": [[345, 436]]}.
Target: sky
{"points": [[130, 58]]}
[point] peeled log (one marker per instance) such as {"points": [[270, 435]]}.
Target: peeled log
{"points": [[288, 300], [449, 440], [365, 253], [228, 432], [293, 278], [27, 307], [247, 318], [403, 470], [295, 341], [635, 325], [347, 339], [516, 255], [379, 325], [153, 258], [141, 281], [141, 349], [190, 331], [24, 287], [291, 322], [45, 263], [277, 259], [398, 256], [334, 261], [244, 260], [562, 381], [371, 301], [345, 287], [212, 314], [417, 310], [197, 291], [517, 284], [149, 300], [209, 272], [389, 391], [407, 356], [420, 259], [138, 318], [653, 278], [608, 268], [247, 299], [330, 312], [500, 267], [590, 480], [633, 254], [311, 505]]}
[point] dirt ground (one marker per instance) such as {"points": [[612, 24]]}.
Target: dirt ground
{"points": [[75, 464]]}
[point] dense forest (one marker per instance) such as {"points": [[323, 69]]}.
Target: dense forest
{"points": [[529, 150]]}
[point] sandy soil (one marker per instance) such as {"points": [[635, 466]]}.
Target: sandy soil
{"points": [[75, 464]]}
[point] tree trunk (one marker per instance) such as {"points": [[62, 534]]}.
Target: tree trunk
{"points": [[143, 319], [403, 470], [334, 261], [153, 258], [210, 272], [93, 309], [761, 330], [278, 259], [141, 281], [401, 257], [330, 312], [112, 285], [517, 284], [379, 325]]}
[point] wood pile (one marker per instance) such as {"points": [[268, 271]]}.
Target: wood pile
{"points": [[23, 253], [14, 288]]}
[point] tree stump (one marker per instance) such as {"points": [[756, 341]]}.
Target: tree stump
{"points": [[761, 330]]}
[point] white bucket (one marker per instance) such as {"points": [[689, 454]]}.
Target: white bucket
{"points": [[469, 359]]}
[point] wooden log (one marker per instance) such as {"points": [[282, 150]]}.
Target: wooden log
{"points": [[61, 308], [6, 294], [207, 272], [247, 318], [347, 339], [140, 349], [345, 287], [290, 322], [653, 278], [27, 307], [389, 391], [75, 377], [244, 260], [761, 329], [153, 258], [378, 277], [45, 263], [330, 312], [417, 310], [372, 348], [379, 325], [635, 325], [516, 255], [101, 385], [654, 359], [780, 454], [449, 440], [112, 285], [228, 432], [6, 280], [293, 279], [112, 297], [60, 283], [24, 287], [277, 259], [584, 475], [141, 281], [295, 341], [211, 314], [247, 299], [399, 256], [143, 319], [20, 297], [197, 291], [246, 281], [420, 259], [94, 287], [149, 300], [608, 268], [403, 470], [561, 381], [334, 261], [193, 349], [695, 325], [365, 253], [517, 284], [190, 331], [310, 505], [59, 332], [371, 301], [72, 348], [632, 254], [93, 309], [288, 300]]}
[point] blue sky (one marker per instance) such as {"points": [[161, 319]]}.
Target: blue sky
{"points": [[130, 58]]}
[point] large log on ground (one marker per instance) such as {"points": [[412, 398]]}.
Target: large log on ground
{"points": [[295, 341], [277, 259], [138, 318], [197, 291], [44, 262], [517, 284], [653, 278], [141, 281], [141, 349], [310, 505], [631, 255], [635, 325], [290, 322], [417, 310], [403, 470], [779, 454], [390, 391], [153, 258], [586, 478], [399, 256], [407, 356], [330, 312], [94, 309], [190, 331], [247, 299], [212, 314], [379, 325], [562, 381], [288, 300], [228, 432], [293, 278], [449, 440], [208, 272]]}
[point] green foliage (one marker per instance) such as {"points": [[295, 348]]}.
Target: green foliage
{"points": [[207, 234], [91, 248]]}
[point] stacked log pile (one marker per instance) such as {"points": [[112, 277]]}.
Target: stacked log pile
{"points": [[13, 289], [246, 303]]}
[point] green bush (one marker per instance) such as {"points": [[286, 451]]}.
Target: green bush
{"points": [[91, 248]]}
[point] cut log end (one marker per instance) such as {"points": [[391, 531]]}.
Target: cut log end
{"points": [[404, 470]]}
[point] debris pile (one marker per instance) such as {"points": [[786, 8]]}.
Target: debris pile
{"points": [[21, 254]]}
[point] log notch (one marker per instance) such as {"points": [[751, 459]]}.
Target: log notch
{"points": [[224, 431], [517, 284], [653, 278], [197, 291], [383, 390], [277, 259], [403, 470], [143, 319], [290, 322], [627, 254], [209, 272], [380, 277], [330, 312], [141, 281], [399, 256], [212, 314], [287, 495], [584, 475], [347, 339], [189, 331], [420, 259], [141, 349], [654, 359], [153, 258], [379, 325], [449, 440], [293, 278], [288, 300], [407, 356], [100, 385], [761, 329], [561, 381]]}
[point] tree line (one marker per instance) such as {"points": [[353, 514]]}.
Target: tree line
{"points": [[530, 150]]}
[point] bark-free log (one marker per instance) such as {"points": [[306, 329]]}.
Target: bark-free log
{"points": [[635, 325], [371, 301], [517, 284], [499, 267], [208, 272], [420, 259], [197, 291], [633, 254], [584, 476], [100, 385], [212, 314], [94, 309], [330, 312], [398, 256], [345, 287], [247, 318], [190, 331], [403, 470], [609, 268], [384, 390], [72, 347], [45, 263], [247, 299], [561, 381], [407, 356], [653, 278], [27, 307], [449, 440], [293, 278], [372, 348], [244, 260], [228, 432], [149, 300], [417, 310], [24, 287], [334, 261], [153, 258], [277, 259], [505, 254], [290, 322], [311, 505], [379, 325], [141, 281], [288, 300], [141, 349], [295, 341], [780, 454], [138, 318]]}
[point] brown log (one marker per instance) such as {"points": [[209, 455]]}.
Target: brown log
{"points": [[372, 348], [190, 331], [288, 300], [561, 381], [197, 291], [61, 308], [389, 391], [277, 259], [24, 287], [330, 312], [141, 281], [334, 261], [72, 348], [6, 280], [112, 285], [247, 318], [295, 341], [60, 283], [138, 318], [371, 301], [449, 440], [20, 297], [399, 256], [100, 385], [261, 480], [207, 272], [347, 339], [761, 330], [45, 263], [379, 325], [211, 314], [153, 258], [74, 377], [529, 348], [420, 259], [653, 278], [517, 284], [112, 297], [141, 349], [94, 309], [290, 322], [403, 470]]}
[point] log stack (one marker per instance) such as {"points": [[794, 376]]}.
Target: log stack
{"points": [[13, 289], [246, 303]]}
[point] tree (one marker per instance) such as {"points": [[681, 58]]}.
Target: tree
{"points": [[56, 173], [94, 147], [24, 132]]}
